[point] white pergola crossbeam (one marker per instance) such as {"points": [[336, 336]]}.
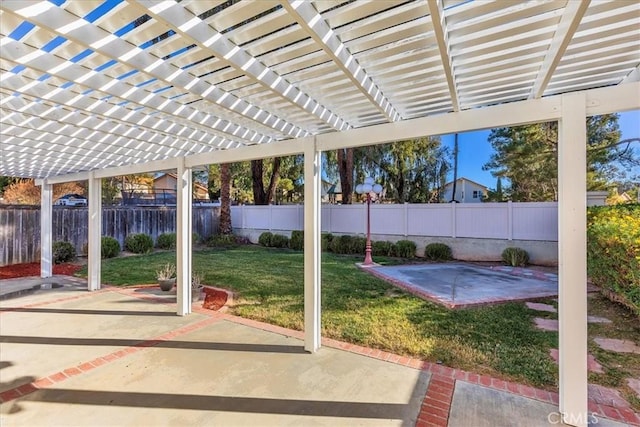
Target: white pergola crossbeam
{"points": [[569, 22], [230, 53], [440, 31], [312, 22]]}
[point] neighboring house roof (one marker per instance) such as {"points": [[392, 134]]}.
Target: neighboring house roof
{"points": [[175, 176], [468, 180], [626, 197]]}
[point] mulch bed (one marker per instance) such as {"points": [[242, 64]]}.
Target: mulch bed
{"points": [[214, 299], [33, 269]]}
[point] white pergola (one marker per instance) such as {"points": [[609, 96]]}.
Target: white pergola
{"points": [[94, 89]]}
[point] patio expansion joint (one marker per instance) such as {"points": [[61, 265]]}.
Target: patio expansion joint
{"points": [[17, 309]]}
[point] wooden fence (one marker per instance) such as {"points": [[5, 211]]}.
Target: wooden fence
{"points": [[20, 226]]}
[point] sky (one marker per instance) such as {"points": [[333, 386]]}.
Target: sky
{"points": [[474, 150]]}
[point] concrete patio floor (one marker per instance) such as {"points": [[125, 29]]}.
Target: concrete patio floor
{"points": [[123, 358]]}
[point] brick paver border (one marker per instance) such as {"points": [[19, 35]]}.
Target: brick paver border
{"points": [[434, 410]]}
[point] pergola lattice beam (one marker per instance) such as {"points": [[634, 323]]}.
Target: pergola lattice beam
{"points": [[195, 29], [440, 30], [569, 22], [74, 116], [599, 101], [94, 38], [312, 22]]}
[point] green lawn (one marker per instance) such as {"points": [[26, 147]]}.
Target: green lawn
{"points": [[356, 307]]}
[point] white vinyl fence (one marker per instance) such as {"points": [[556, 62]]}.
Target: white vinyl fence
{"points": [[509, 221]]}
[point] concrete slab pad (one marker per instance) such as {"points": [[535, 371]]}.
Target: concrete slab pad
{"points": [[38, 341], [478, 406], [212, 372], [13, 288], [460, 285]]}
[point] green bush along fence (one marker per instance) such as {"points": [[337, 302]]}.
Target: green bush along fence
{"points": [[613, 251]]}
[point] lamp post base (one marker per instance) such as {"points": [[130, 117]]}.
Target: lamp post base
{"points": [[367, 254]]}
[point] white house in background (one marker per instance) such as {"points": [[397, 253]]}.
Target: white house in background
{"points": [[467, 191]]}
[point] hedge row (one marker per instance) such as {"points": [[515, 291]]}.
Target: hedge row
{"points": [[613, 252], [345, 244]]}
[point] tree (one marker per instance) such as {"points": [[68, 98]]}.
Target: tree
{"points": [[411, 171], [6, 181], [260, 195], [496, 195], [25, 192], [225, 199], [345, 169], [527, 156]]}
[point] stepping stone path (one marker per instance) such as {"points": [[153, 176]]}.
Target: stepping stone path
{"points": [[596, 319], [541, 307], [634, 383], [617, 346], [546, 324], [607, 396], [592, 364], [551, 309]]}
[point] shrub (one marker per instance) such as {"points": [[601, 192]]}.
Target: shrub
{"points": [[613, 252], [297, 240], [222, 240], [279, 241], [326, 241], [382, 248], [405, 249], [437, 252], [515, 257], [109, 247], [138, 243], [195, 238], [166, 241], [358, 245], [63, 252], [265, 239], [341, 244]]}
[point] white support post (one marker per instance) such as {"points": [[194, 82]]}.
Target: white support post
{"points": [[46, 230], [183, 239], [572, 259], [312, 247], [95, 232]]}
